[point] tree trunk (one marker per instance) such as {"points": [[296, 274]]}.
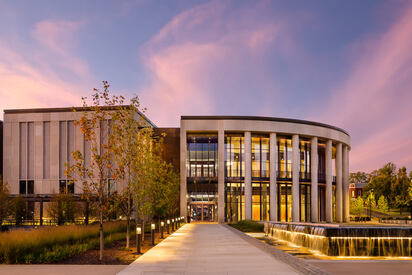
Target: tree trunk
{"points": [[101, 237], [127, 231], [142, 230]]}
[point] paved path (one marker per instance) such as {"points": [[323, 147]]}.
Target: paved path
{"points": [[206, 249]]}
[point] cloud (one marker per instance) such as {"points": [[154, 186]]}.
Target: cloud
{"points": [[42, 75], [373, 103], [206, 57], [58, 38]]}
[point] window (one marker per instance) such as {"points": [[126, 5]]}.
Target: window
{"points": [[202, 156], [66, 186], [284, 157], [234, 158], [26, 187], [22, 189], [260, 156]]}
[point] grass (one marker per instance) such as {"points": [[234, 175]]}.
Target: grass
{"points": [[248, 226], [51, 244]]}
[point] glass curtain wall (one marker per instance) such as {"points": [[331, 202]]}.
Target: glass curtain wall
{"points": [[260, 177], [284, 178], [284, 165], [305, 154], [285, 201], [201, 168], [202, 156], [234, 177]]}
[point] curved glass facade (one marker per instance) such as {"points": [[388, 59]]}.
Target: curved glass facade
{"points": [[202, 177]]}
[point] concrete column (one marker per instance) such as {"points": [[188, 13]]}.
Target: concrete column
{"points": [[295, 178], [345, 183], [248, 176], [183, 171], [314, 213], [273, 202], [221, 173], [338, 169], [329, 177]]}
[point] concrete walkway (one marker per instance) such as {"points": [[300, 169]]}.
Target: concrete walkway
{"points": [[206, 249]]}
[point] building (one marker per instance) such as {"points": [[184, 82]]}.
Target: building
{"points": [[231, 167], [356, 189]]}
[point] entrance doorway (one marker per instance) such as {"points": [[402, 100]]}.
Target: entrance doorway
{"points": [[202, 211]]}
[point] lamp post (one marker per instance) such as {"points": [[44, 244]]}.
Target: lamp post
{"points": [[168, 227], [173, 225], [138, 239], [153, 233], [162, 224]]}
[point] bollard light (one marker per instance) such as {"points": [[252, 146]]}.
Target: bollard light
{"points": [[162, 224], [168, 226], [173, 225], [138, 239], [153, 233]]}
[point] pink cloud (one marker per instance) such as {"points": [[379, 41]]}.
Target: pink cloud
{"points": [[202, 50], [38, 76], [58, 37], [373, 103]]}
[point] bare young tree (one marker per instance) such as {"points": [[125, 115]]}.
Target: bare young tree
{"points": [[95, 172]]}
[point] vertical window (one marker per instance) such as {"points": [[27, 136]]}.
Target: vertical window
{"points": [[30, 187], [305, 147], [234, 156], [260, 156], [22, 187]]}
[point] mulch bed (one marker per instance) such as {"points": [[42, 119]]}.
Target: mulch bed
{"points": [[114, 253]]}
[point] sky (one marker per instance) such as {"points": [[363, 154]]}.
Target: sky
{"points": [[345, 63]]}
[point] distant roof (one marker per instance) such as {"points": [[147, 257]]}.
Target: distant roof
{"points": [[279, 119], [69, 109], [359, 184]]}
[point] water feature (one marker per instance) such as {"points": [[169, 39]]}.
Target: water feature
{"points": [[345, 240]]}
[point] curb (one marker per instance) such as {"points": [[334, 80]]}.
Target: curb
{"points": [[299, 265]]}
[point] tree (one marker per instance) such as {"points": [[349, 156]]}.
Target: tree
{"points": [[127, 125], [5, 207], [63, 208], [380, 182], [383, 204], [357, 206], [400, 189], [96, 173], [19, 210], [358, 177], [370, 201]]}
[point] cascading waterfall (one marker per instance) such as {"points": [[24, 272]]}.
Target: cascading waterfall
{"points": [[345, 240]]}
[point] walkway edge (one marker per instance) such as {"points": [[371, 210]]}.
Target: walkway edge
{"points": [[298, 264]]}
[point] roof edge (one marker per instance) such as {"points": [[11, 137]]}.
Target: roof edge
{"points": [[278, 119], [70, 109]]}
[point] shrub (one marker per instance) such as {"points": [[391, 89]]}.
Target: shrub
{"points": [[248, 226], [49, 244]]}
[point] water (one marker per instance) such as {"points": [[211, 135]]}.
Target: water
{"points": [[346, 240]]}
